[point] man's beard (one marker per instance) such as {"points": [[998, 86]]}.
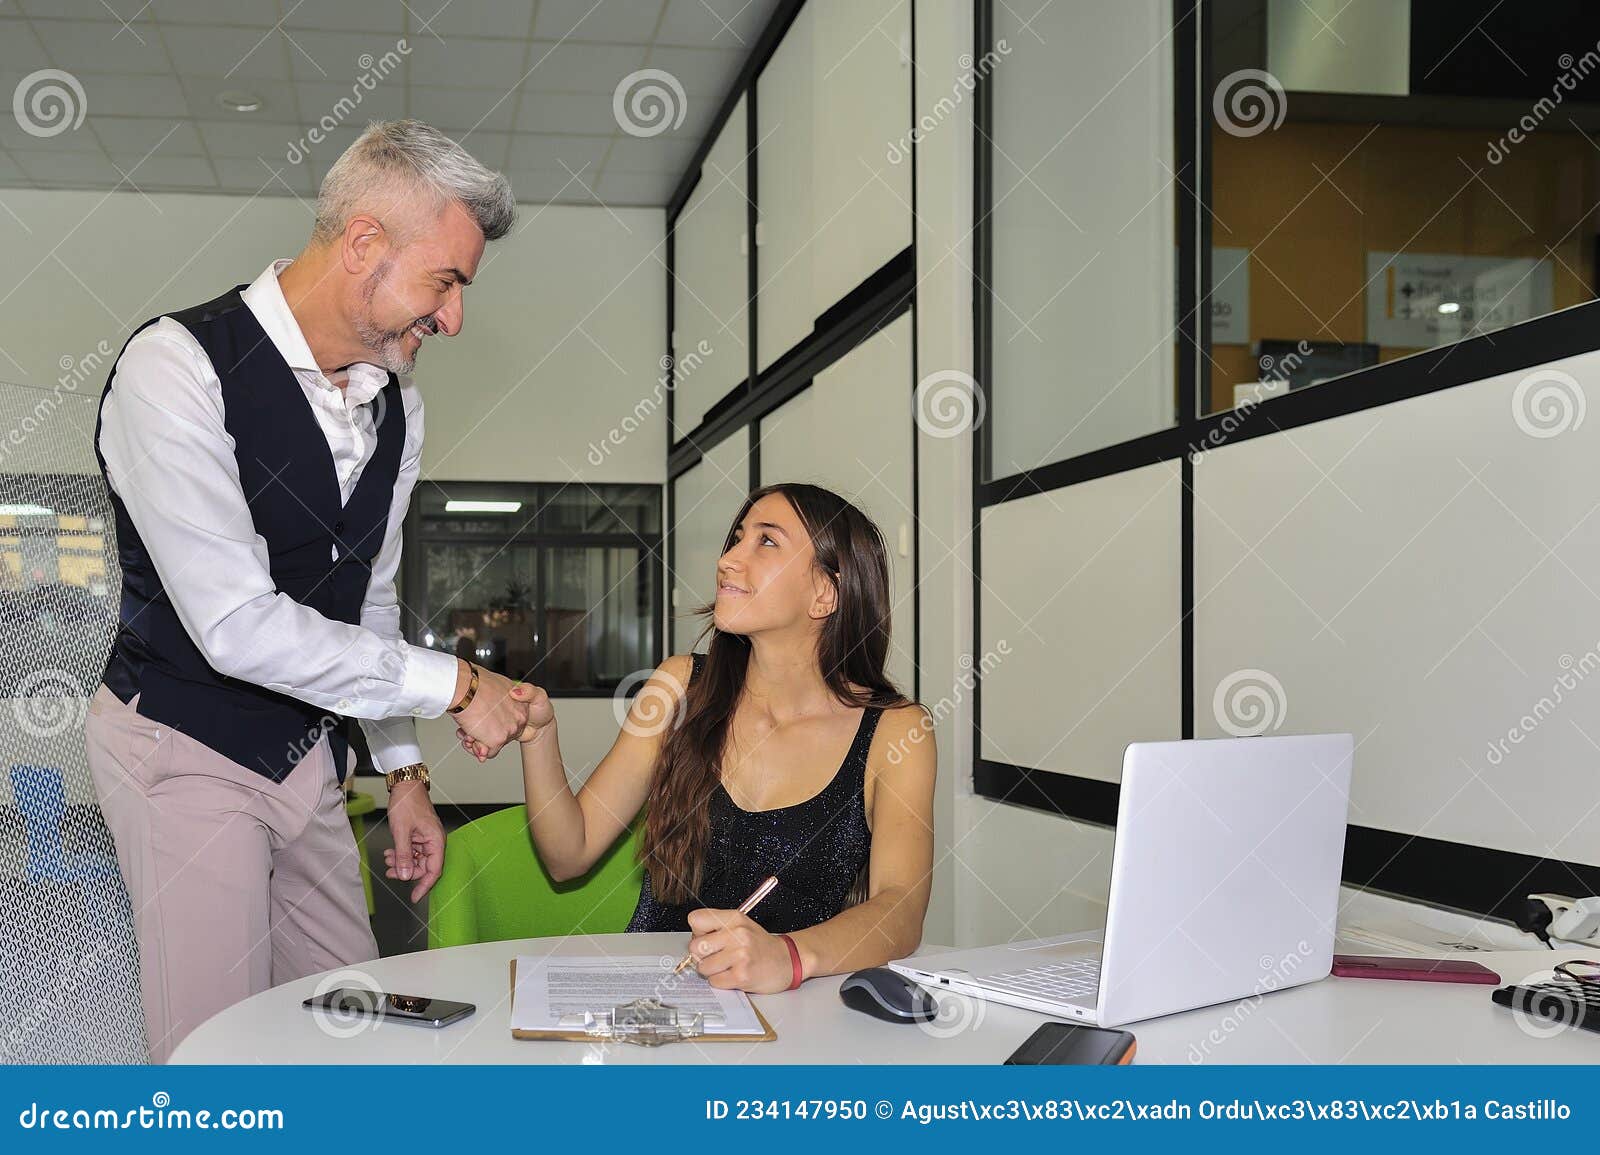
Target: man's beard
{"points": [[387, 346]]}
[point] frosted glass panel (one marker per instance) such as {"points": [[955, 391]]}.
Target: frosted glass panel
{"points": [[712, 281], [1084, 228]]}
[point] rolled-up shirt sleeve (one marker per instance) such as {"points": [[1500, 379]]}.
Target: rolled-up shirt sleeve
{"points": [[170, 460]]}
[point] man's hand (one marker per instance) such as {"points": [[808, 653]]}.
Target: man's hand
{"points": [[418, 838], [494, 716]]}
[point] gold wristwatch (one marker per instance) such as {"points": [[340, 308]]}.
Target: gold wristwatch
{"points": [[416, 772]]}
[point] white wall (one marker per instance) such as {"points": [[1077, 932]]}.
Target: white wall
{"points": [[558, 366], [1422, 574], [705, 498]]}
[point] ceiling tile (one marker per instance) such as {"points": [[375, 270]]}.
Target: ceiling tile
{"points": [[385, 16], [251, 177], [92, 168], [331, 145], [150, 95], [103, 46], [10, 174], [715, 23], [451, 19], [636, 188], [548, 151], [20, 49], [137, 11], [469, 63], [386, 101], [239, 54], [702, 71], [275, 142], [572, 67], [542, 185], [585, 112], [141, 134], [621, 21], [13, 135], [486, 109], [651, 154], [261, 13], [277, 99], [165, 172], [334, 57]]}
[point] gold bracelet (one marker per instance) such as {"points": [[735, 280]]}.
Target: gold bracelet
{"points": [[416, 772], [472, 688]]}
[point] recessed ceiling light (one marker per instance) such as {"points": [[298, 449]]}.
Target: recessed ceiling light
{"points": [[238, 100], [454, 506], [1449, 306]]}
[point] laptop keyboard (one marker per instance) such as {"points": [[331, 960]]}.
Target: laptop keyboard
{"points": [[1068, 979]]}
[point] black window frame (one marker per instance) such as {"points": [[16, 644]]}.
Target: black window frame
{"points": [[413, 578]]}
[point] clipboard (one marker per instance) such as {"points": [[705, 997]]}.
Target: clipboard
{"points": [[769, 1035]]}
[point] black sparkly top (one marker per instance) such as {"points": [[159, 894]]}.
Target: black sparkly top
{"points": [[817, 848]]}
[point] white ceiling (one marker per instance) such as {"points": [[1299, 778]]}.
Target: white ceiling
{"points": [[526, 85]]}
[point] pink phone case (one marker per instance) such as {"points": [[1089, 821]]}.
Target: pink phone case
{"points": [[1420, 970]]}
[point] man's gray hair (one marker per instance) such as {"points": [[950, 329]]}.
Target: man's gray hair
{"points": [[395, 160]]}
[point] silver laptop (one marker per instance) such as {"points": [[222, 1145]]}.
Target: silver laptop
{"points": [[1224, 884]]}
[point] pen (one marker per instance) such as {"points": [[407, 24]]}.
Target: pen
{"points": [[745, 907]]}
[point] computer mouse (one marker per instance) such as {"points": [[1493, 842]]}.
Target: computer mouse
{"points": [[883, 994]]}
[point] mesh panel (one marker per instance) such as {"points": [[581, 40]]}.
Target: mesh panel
{"points": [[69, 964]]}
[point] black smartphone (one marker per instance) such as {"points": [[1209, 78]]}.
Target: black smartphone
{"points": [[379, 1005], [1073, 1045]]}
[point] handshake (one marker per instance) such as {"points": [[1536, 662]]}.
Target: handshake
{"points": [[491, 710]]}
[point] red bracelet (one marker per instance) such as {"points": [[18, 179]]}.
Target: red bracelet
{"points": [[794, 961]]}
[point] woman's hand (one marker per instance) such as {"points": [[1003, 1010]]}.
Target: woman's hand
{"points": [[736, 954], [541, 715]]}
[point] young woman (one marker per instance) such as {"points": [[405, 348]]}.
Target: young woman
{"points": [[771, 754]]}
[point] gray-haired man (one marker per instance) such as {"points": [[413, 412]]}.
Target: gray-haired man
{"points": [[261, 450]]}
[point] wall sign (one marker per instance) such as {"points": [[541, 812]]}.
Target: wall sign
{"points": [[1418, 300]]}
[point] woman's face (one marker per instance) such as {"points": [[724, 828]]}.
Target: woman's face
{"points": [[768, 579]]}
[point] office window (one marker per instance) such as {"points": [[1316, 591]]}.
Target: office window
{"points": [[558, 584], [1082, 214], [1387, 178]]}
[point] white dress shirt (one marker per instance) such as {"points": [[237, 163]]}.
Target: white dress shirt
{"points": [[171, 461]]}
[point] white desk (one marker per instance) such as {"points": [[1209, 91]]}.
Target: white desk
{"points": [[1333, 1021]]}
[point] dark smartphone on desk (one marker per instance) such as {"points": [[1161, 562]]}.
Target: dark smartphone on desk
{"points": [[1073, 1045], [417, 1009]]}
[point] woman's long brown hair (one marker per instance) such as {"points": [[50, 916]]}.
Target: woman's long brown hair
{"points": [[851, 652]]}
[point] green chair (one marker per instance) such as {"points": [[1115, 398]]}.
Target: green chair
{"points": [[494, 887]]}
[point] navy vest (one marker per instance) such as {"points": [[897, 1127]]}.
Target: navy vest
{"points": [[292, 491]]}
